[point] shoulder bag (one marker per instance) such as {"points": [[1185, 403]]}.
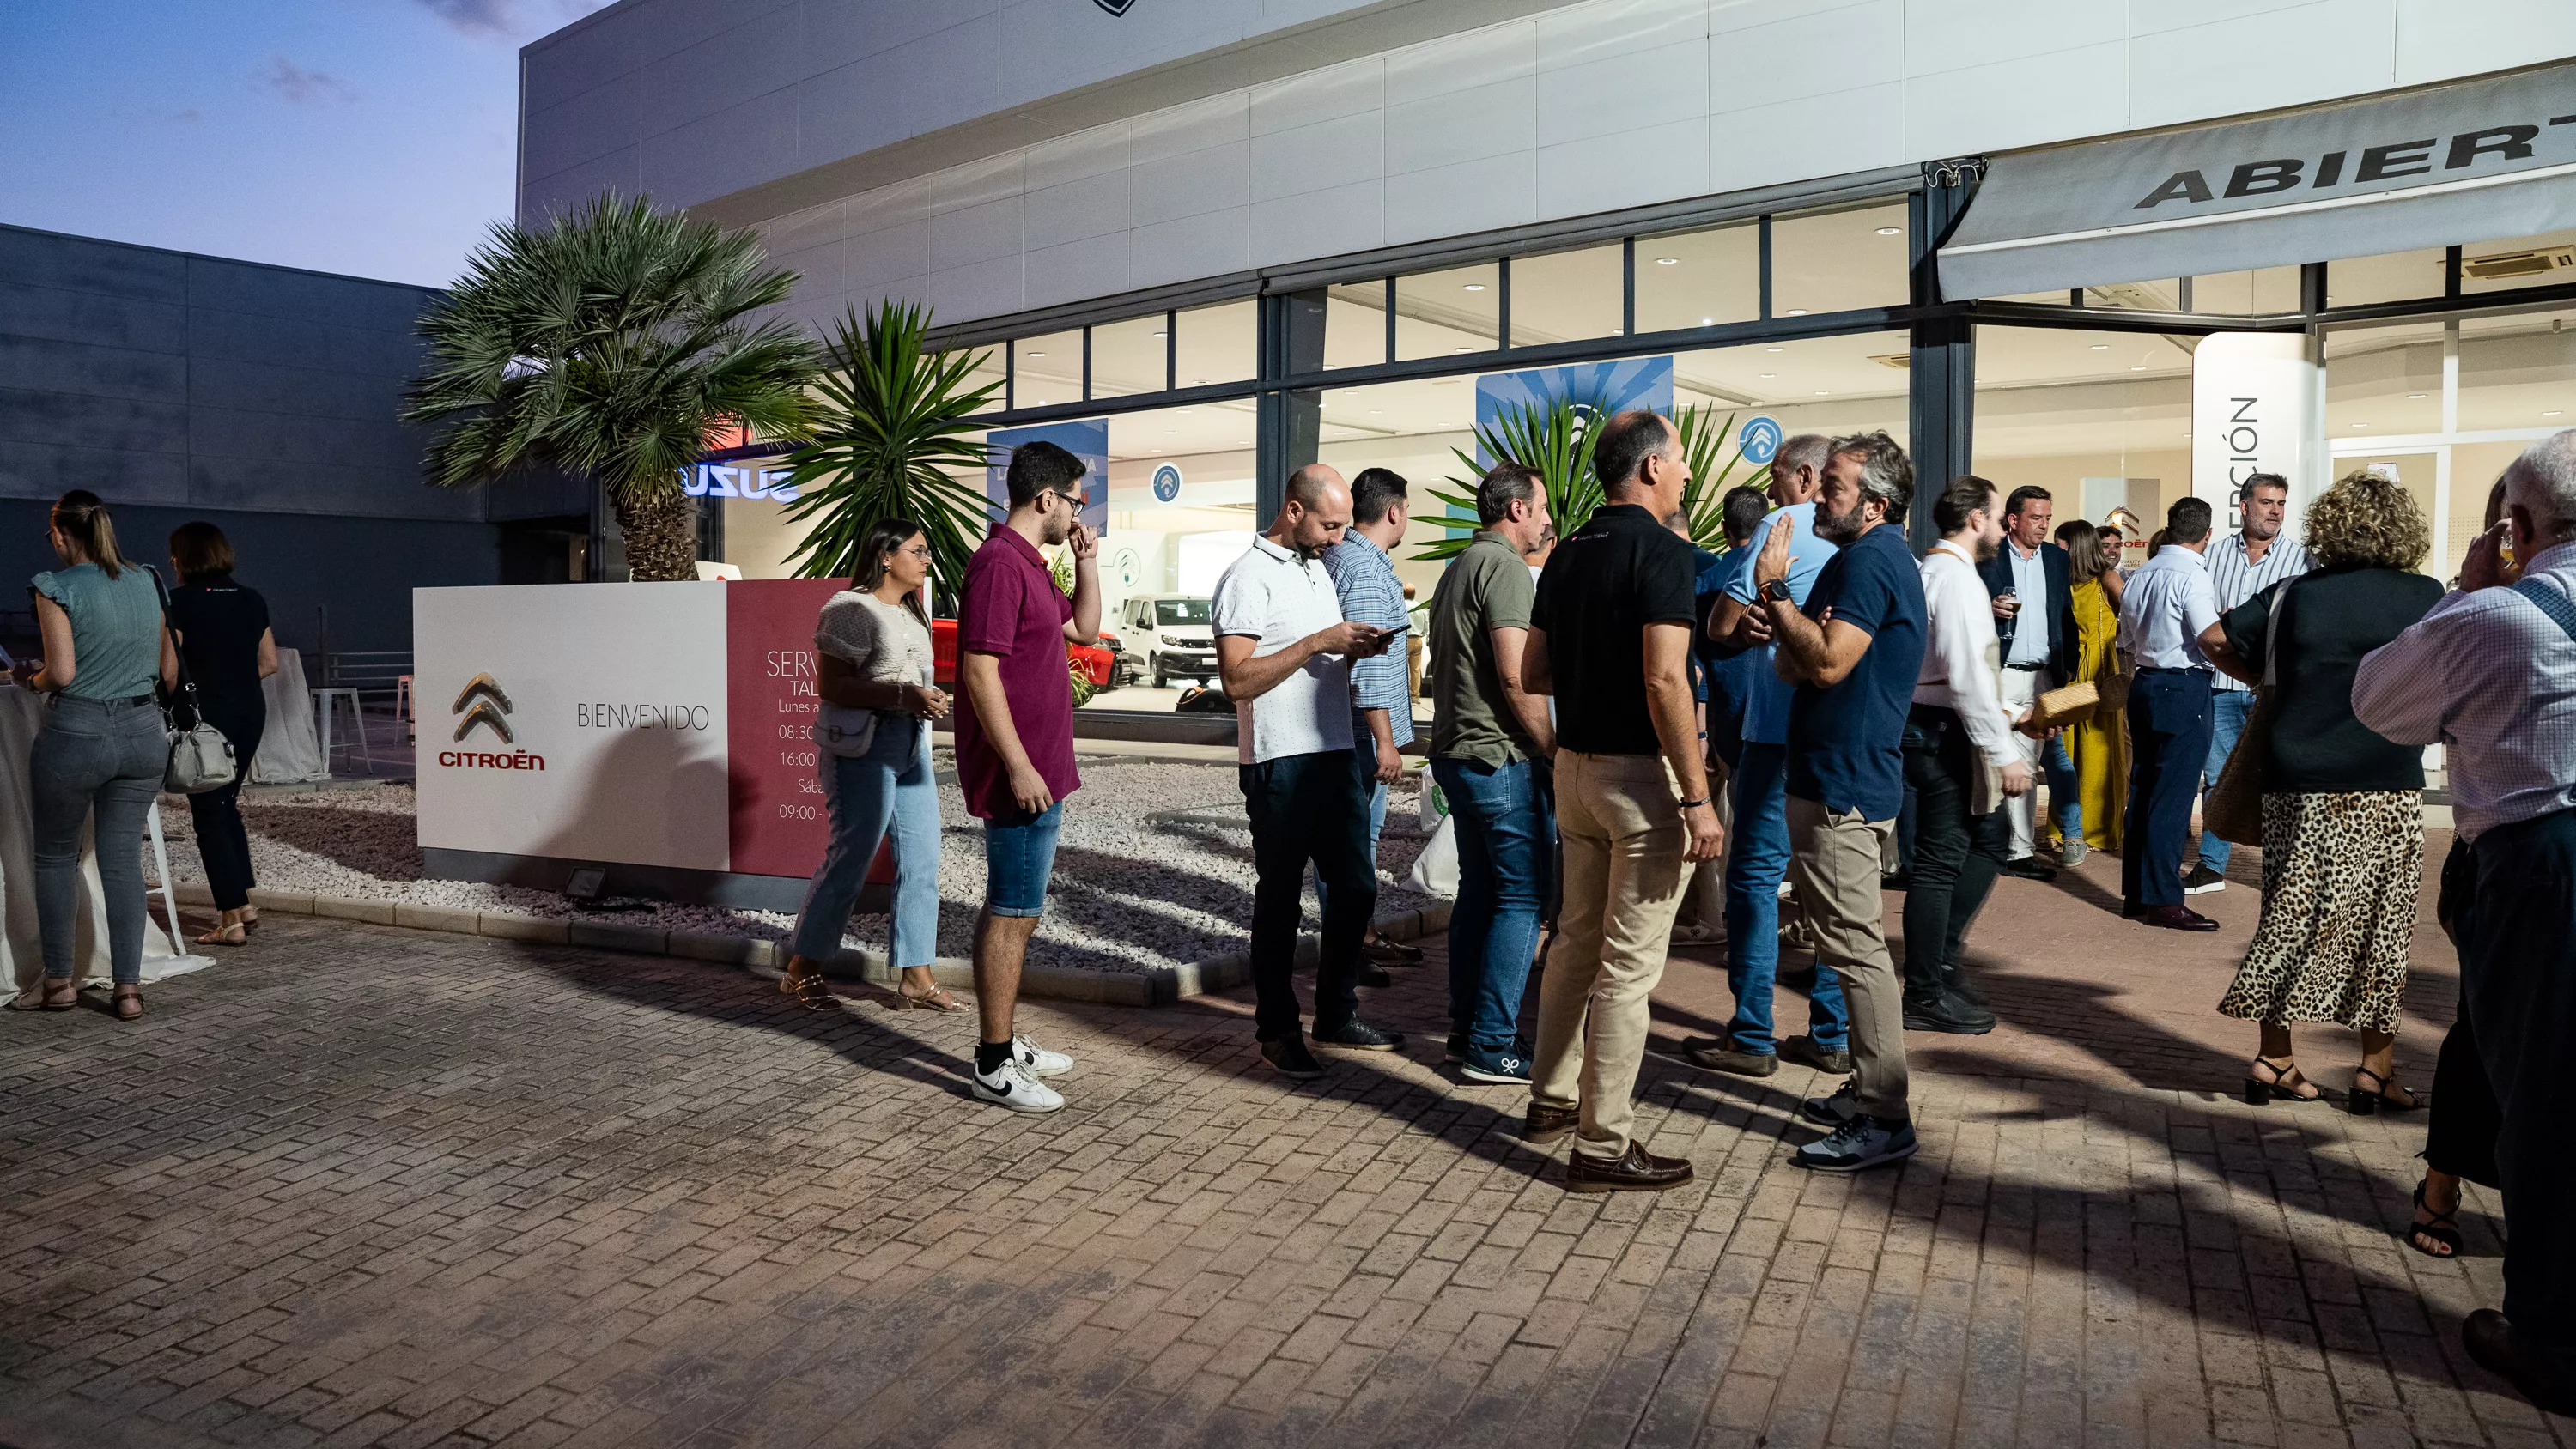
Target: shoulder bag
{"points": [[2234, 811], [201, 759]]}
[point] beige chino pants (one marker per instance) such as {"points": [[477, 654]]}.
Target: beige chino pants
{"points": [[1621, 826], [1834, 860]]}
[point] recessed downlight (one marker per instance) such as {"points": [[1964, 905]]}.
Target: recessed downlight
{"points": [[1668, 261], [1890, 230]]}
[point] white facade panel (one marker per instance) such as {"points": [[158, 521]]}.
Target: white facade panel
{"points": [[1510, 118]]}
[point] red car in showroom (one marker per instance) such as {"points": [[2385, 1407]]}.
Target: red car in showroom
{"points": [[1092, 668]]}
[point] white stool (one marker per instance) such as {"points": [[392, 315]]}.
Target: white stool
{"points": [[323, 699]]}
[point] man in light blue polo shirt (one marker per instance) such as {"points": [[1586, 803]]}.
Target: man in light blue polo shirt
{"points": [[1759, 859]]}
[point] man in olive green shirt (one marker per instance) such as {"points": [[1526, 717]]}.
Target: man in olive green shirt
{"points": [[1489, 737]]}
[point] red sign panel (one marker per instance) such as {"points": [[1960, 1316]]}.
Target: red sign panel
{"points": [[778, 825]]}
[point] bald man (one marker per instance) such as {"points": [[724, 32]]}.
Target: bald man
{"points": [[1284, 652]]}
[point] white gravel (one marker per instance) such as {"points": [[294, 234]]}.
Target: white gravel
{"points": [[1154, 866]]}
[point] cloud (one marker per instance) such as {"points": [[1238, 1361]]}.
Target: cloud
{"points": [[508, 19], [190, 117], [306, 87]]}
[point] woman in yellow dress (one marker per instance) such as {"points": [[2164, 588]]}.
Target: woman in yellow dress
{"points": [[2100, 745]]}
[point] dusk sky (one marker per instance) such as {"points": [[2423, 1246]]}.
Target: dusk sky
{"points": [[371, 137]]}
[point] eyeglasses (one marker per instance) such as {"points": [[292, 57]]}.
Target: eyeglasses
{"points": [[918, 550], [1076, 500]]}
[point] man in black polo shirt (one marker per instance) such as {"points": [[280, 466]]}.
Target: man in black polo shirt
{"points": [[1610, 637]]}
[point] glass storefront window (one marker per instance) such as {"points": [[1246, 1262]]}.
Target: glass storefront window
{"points": [[2246, 294], [989, 369], [2531, 261], [2383, 381], [1834, 261], [2157, 296], [2102, 420], [2518, 372], [1567, 296], [1130, 357], [1219, 343], [1699, 278], [1047, 370], [1355, 325], [2393, 277], [1438, 313], [1162, 555]]}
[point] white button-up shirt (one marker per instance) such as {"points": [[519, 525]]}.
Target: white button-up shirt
{"points": [[2494, 680], [2233, 578], [2167, 605], [2030, 585], [1959, 644]]}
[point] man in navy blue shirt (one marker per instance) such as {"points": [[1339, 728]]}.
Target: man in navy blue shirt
{"points": [[1854, 652]]}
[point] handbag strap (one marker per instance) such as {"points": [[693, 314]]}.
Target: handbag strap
{"points": [[2272, 636], [186, 686], [2560, 609]]}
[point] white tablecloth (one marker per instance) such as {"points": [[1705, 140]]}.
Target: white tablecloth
{"points": [[22, 951], [288, 752]]}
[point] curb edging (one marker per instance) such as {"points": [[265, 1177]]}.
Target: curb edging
{"points": [[1158, 986]]}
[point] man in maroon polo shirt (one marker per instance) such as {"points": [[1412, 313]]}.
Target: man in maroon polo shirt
{"points": [[1015, 744]]}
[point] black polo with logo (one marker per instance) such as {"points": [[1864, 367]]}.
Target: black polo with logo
{"points": [[1607, 581]]}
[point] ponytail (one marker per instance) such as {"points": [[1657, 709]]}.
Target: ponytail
{"points": [[83, 520]]}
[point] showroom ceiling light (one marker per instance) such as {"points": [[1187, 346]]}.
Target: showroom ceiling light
{"points": [[1037, 354], [2358, 426], [1668, 261], [2137, 367], [1376, 412], [1797, 312], [1708, 321], [1889, 230], [2414, 397], [1462, 349], [2549, 412], [1773, 349], [1820, 392], [1770, 374], [1475, 286], [2101, 346]]}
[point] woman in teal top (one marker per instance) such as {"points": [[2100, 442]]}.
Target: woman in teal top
{"points": [[104, 744]]}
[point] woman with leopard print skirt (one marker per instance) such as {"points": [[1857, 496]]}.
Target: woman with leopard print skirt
{"points": [[2343, 825]]}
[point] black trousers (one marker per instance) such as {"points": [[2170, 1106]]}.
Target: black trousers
{"points": [[2461, 1126], [2518, 968], [223, 842], [1307, 808], [1956, 855], [2168, 748]]}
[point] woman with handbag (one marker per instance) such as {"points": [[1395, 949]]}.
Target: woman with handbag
{"points": [[2099, 744], [105, 744], [872, 750], [226, 644], [2342, 823]]}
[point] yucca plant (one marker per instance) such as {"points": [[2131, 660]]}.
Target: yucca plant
{"points": [[1556, 439], [614, 343], [886, 442]]}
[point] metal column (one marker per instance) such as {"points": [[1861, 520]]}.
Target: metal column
{"points": [[1291, 423], [1943, 360]]}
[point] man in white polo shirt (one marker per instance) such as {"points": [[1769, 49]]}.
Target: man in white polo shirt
{"points": [[1284, 651]]}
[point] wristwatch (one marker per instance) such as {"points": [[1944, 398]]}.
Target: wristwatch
{"points": [[1776, 592]]}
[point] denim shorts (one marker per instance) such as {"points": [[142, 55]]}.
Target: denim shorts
{"points": [[1019, 855]]}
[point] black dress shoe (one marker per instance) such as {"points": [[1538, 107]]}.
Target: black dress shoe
{"points": [[2178, 918], [2490, 1339], [1947, 1012], [1544, 1124], [1897, 880], [2132, 910], [1391, 953], [1635, 1170], [1289, 1057], [1358, 1036], [2028, 867]]}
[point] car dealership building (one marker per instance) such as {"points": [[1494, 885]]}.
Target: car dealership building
{"points": [[2125, 251]]}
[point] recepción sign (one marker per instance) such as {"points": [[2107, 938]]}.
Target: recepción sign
{"points": [[664, 724]]}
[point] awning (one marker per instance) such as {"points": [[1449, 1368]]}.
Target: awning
{"points": [[2455, 164]]}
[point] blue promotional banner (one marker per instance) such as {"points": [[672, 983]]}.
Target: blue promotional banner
{"points": [[1087, 440], [1602, 388]]}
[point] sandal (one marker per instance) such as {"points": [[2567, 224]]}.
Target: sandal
{"points": [[935, 999], [50, 994], [2442, 1228], [236, 934], [2283, 1085], [806, 987], [2386, 1094], [129, 1002]]}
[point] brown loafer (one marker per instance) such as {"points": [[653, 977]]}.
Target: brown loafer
{"points": [[1391, 953], [1635, 1170], [2178, 918], [1544, 1124], [2490, 1339]]}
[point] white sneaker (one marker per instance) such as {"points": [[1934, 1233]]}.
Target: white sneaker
{"points": [[1011, 1086], [1039, 1061]]}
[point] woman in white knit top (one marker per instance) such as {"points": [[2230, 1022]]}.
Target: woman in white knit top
{"points": [[872, 750]]}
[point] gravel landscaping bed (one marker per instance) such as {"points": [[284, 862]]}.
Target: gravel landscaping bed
{"points": [[1153, 869]]}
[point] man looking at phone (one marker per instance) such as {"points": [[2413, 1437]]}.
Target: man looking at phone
{"points": [[1015, 744], [1284, 652]]}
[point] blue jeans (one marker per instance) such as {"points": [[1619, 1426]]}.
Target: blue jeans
{"points": [[1019, 856], [1363, 770], [889, 786], [2065, 790], [2227, 711], [1754, 870], [109, 753], [1506, 853]]}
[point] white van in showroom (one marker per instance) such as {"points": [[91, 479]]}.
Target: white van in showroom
{"points": [[1170, 633]]}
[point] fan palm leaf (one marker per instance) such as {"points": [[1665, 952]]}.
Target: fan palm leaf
{"points": [[615, 343], [1553, 438]]}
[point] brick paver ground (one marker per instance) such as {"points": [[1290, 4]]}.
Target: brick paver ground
{"points": [[364, 1186]]}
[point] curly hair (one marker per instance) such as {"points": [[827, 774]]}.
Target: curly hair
{"points": [[2367, 521]]}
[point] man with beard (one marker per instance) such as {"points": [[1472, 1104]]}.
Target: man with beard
{"points": [[1963, 761], [2240, 566], [1015, 744], [1854, 653], [1284, 651]]}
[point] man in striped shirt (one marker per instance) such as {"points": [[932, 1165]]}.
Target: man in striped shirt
{"points": [[2241, 565], [1363, 571]]}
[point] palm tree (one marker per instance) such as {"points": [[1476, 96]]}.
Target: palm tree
{"points": [[885, 442], [613, 343]]}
